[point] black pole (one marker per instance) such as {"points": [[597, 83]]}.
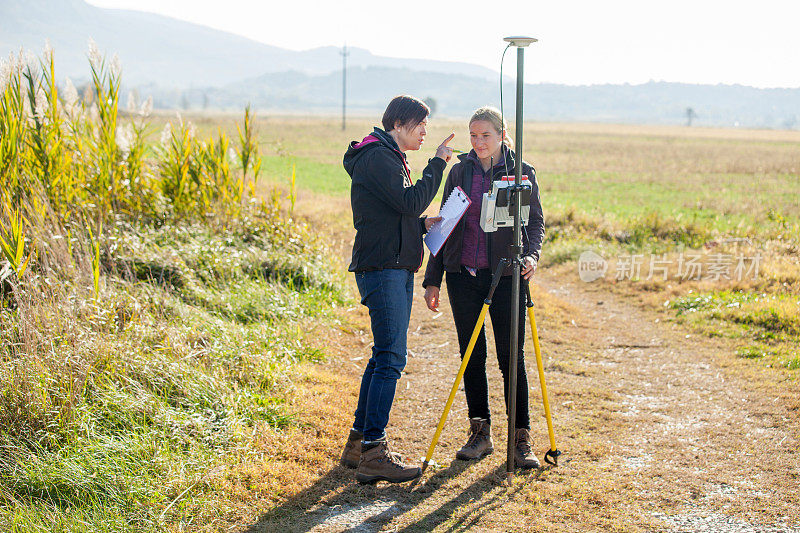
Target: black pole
{"points": [[516, 250]]}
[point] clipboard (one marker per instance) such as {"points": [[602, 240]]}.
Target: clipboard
{"points": [[453, 209]]}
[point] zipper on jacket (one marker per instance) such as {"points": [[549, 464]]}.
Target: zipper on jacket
{"points": [[489, 235], [400, 247], [490, 174]]}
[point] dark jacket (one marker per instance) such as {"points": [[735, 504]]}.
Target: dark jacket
{"points": [[386, 205], [449, 257]]}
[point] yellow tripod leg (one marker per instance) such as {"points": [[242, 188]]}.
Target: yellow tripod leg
{"points": [[475, 333], [498, 273], [552, 455]]}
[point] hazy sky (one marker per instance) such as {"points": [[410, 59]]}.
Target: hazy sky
{"points": [[581, 42]]}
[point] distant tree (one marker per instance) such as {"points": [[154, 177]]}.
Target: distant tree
{"points": [[690, 114], [431, 102], [184, 101], [205, 100]]}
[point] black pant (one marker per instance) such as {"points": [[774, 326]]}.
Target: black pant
{"points": [[467, 294]]}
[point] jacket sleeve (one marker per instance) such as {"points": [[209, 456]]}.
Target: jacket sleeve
{"points": [[434, 271], [535, 229], [385, 178]]}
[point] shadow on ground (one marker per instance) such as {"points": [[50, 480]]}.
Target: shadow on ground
{"points": [[336, 502]]}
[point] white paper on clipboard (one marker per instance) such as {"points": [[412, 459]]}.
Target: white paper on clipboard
{"points": [[451, 212]]}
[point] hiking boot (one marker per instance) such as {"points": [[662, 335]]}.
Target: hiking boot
{"points": [[378, 463], [352, 450], [523, 456], [479, 444]]}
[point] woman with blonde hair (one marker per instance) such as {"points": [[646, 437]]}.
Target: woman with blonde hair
{"points": [[469, 257]]}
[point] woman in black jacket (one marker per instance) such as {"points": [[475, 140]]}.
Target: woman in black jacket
{"points": [[386, 253], [469, 257]]}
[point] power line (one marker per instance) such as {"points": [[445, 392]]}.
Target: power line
{"points": [[344, 54]]}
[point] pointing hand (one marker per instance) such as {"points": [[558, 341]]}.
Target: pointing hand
{"points": [[444, 151]]}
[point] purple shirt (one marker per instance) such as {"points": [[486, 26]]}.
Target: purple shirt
{"points": [[474, 252]]}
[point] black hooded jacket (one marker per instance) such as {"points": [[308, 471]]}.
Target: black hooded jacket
{"points": [[386, 205], [498, 242]]}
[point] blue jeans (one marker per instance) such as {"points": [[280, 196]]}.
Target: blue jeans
{"points": [[387, 294]]}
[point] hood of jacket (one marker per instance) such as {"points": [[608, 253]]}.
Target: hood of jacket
{"points": [[378, 138]]}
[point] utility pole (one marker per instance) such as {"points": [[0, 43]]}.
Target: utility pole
{"points": [[690, 114], [344, 53]]}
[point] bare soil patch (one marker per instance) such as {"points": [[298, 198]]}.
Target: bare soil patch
{"points": [[662, 431]]}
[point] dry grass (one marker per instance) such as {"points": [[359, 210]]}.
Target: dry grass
{"points": [[638, 447], [653, 435], [150, 308], [654, 417]]}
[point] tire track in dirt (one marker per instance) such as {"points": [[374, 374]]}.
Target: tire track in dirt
{"points": [[662, 430], [659, 433], [719, 451]]}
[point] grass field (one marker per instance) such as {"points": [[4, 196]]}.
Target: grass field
{"points": [[152, 309], [733, 183], [130, 380], [620, 191], [624, 190]]}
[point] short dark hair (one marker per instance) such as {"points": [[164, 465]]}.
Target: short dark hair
{"points": [[405, 110]]}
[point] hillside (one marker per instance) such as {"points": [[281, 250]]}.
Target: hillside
{"points": [[458, 95], [189, 66], [168, 52]]}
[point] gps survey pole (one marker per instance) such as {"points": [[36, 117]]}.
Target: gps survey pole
{"points": [[516, 252]]}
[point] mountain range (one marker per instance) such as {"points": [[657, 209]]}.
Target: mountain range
{"points": [[185, 65], [172, 53]]}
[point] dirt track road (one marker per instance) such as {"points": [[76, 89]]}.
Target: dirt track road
{"points": [[661, 431]]}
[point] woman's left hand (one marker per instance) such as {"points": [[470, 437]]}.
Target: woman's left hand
{"points": [[430, 221], [528, 266]]}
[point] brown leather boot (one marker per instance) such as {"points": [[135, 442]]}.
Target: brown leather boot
{"points": [[523, 456], [479, 444], [378, 463], [352, 450]]}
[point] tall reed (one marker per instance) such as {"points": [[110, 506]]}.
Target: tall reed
{"points": [[67, 158]]}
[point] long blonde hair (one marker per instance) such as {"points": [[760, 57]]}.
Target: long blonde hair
{"points": [[493, 116]]}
